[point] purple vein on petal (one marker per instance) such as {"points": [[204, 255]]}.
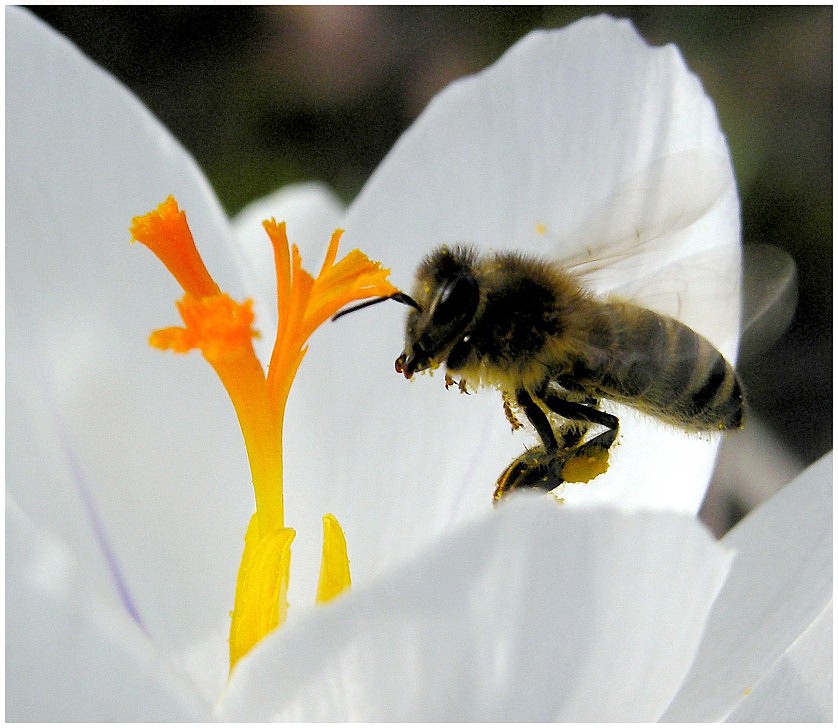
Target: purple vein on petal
{"points": [[88, 501]]}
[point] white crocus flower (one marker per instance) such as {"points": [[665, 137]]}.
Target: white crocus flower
{"points": [[128, 489]]}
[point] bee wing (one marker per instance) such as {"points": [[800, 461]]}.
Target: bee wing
{"points": [[646, 251], [769, 299], [668, 239], [638, 227]]}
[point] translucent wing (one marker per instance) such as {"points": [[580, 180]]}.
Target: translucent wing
{"points": [[652, 241], [769, 298], [638, 226], [668, 239]]}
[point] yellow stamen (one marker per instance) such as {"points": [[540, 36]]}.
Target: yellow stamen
{"points": [[222, 330], [261, 588], [334, 564]]}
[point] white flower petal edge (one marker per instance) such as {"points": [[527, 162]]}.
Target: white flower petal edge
{"points": [[798, 687], [83, 157], [555, 132], [766, 654], [535, 613], [103, 669]]}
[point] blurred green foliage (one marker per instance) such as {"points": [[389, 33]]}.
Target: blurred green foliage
{"points": [[264, 96]]}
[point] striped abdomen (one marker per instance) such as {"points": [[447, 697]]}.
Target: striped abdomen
{"points": [[660, 366]]}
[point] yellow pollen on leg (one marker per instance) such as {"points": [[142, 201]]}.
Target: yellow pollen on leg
{"points": [[582, 468]]}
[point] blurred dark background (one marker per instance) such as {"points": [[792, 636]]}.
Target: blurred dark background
{"points": [[266, 96]]}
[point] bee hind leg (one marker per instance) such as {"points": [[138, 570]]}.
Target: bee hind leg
{"points": [[585, 413], [589, 459], [547, 467], [538, 419], [542, 469], [536, 469]]}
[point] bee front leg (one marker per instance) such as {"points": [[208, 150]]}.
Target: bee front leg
{"points": [[508, 403]]}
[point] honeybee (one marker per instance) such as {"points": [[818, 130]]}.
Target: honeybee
{"points": [[527, 327]]}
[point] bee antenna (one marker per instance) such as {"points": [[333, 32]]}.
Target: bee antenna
{"points": [[398, 296]]}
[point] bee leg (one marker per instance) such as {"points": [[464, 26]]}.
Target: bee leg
{"points": [[584, 413], [541, 469], [538, 419], [572, 435], [508, 403], [584, 462], [547, 467], [462, 385], [536, 469]]}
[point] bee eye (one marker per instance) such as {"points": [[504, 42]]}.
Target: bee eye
{"points": [[457, 301]]}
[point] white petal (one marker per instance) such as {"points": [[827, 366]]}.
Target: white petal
{"points": [[72, 653], [798, 687], [770, 620], [311, 209], [536, 613], [83, 157]]}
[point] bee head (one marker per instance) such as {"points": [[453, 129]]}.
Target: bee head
{"points": [[447, 296], [445, 299]]}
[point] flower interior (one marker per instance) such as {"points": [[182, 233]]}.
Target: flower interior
{"points": [[223, 330]]}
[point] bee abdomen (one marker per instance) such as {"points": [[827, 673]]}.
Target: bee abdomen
{"points": [[716, 397], [663, 367]]}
